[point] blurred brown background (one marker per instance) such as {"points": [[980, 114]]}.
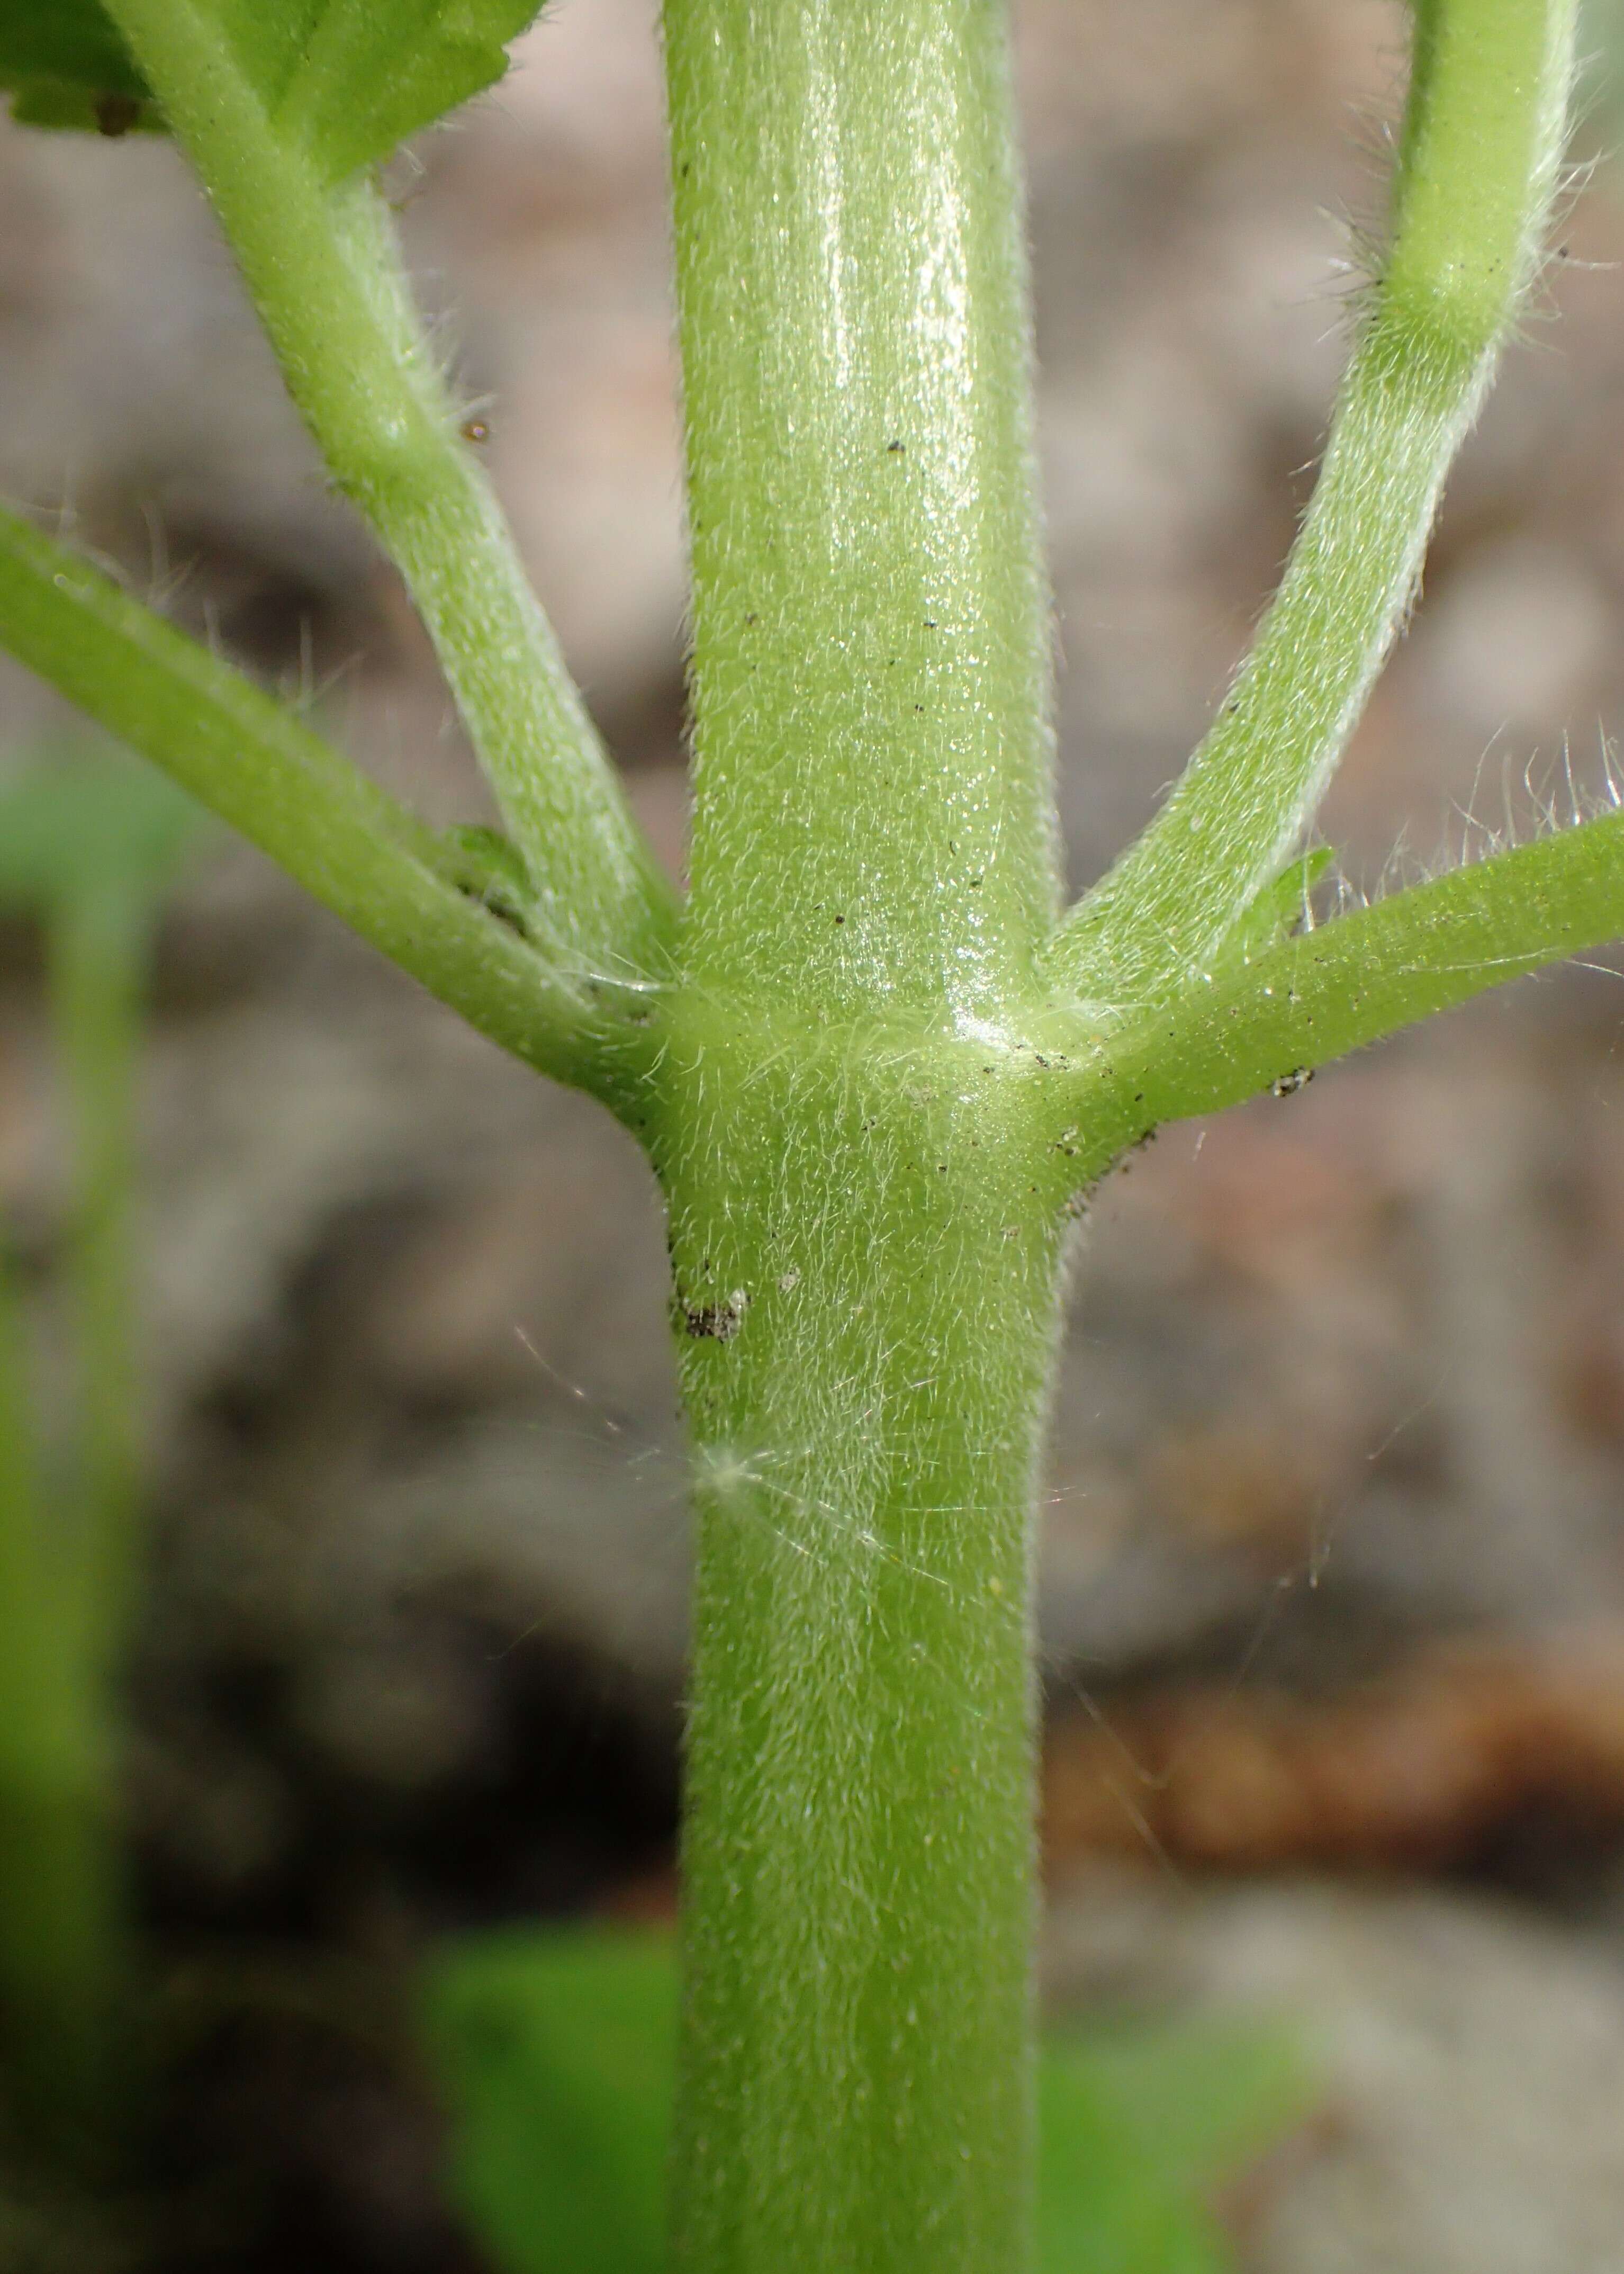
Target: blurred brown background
{"points": [[1333, 1599]]}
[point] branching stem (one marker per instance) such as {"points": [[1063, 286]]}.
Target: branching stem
{"points": [[1482, 140], [252, 762], [322, 270], [869, 1070], [866, 1271], [1364, 975]]}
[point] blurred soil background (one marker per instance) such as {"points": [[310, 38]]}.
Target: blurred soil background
{"points": [[1332, 1562]]}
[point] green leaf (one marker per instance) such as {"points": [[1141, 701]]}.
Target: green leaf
{"points": [[554, 2054], [1209, 2096], [87, 826], [343, 80], [1105, 2204], [65, 65], [350, 79]]}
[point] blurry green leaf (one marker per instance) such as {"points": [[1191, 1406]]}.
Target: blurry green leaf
{"points": [[1105, 2205], [1134, 2128], [344, 80], [554, 2054], [1207, 2095], [89, 825], [65, 65]]}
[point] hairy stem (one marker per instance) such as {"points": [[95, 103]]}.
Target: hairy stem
{"points": [[1363, 976], [324, 274], [251, 760], [866, 1283], [865, 1270], [873, 817], [1478, 160]]}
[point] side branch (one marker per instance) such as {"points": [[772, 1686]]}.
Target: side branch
{"points": [[1270, 1023], [323, 272], [1478, 164], [253, 764]]}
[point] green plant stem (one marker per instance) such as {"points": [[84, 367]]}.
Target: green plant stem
{"points": [[872, 819], [1478, 160], [865, 1268], [64, 1961], [252, 762], [1363, 976], [866, 1281], [323, 271], [98, 947]]}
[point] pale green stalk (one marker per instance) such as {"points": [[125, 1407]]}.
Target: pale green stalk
{"points": [[872, 819], [1365, 975], [252, 762], [1478, 160], [866, 1261], [865, 1278], [323, 271]]}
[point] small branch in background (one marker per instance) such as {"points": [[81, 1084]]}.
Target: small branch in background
{"points": [[88, 848]]}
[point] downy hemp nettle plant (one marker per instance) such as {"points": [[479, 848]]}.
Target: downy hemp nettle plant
{"points": [[873, 1061]]}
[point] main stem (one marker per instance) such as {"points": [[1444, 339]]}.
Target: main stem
{"points": [[866, 1281], [865, 1235]]}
